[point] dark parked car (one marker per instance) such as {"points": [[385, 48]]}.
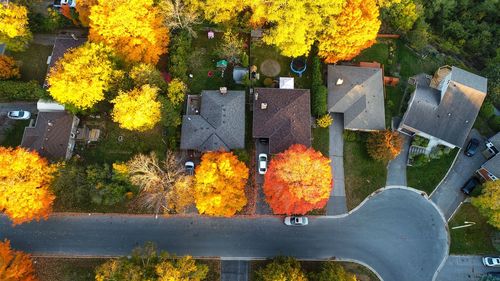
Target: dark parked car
{"points": [[495, 274], [470, 185], [471, 148]]}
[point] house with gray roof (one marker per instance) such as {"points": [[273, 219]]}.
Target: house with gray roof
{"points": [[217, 122], [443, 108], [358, 93], [490, 170]]}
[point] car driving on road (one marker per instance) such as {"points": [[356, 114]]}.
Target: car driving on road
{"points": [[296, 221], [262, 163], [18, 115], [491, 261]]}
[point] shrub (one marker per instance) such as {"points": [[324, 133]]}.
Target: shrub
{"points": [[325, 121], [318, 90], [495, 123], [420, 160], [268, 82], [8, 68], [16, 90], [244, 59], [350, 136], [420, 141], [487, 110], [320, 106]]}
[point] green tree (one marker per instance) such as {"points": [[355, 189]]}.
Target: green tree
{"points": [[332, 271], [487, 110], [418, 37], [488, 202], [319, 93], [180, 48], [403, 15], [281, 269], [142, 74]]}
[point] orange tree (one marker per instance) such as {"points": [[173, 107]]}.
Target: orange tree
{"points": [[8, 68], [220, 184], [298, 180], [24, 185], [384, 145], [15, 265]]}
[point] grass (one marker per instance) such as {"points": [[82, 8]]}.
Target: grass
{"points": [[483, 127], [394, 97], [33, 62], [14, 135], [411, 63], [362, 174], [473, 240], [321, 140], [427, 177], [379, 52]]}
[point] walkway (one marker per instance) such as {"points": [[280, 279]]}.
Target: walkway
{"points": [[337, 202], [397, 232], [396, 169], [462, 268], [447, 194]]}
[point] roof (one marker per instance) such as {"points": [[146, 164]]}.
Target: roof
{"points": [[219, 125], [493, 165], [360, 96], [51, 134], [285, 120], [495, 140], [61, 46], [449, 114]]}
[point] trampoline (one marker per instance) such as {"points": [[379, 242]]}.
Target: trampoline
{"points": [[298, 66]]}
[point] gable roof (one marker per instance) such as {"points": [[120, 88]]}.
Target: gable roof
{"points": [[61, 46], [285, 121], [219, 125], [360, 96], [51, 135], [493, 165], [447, 113]]}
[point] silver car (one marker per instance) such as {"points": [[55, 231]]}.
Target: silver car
{"points": [[491, 261], [19, 115], [296, 221], [262, 163]]}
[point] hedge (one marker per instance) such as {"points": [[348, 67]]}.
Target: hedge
{"points": [[319, 93], [21, 91]]}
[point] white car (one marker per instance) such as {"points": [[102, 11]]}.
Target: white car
{"points": [[19, 115], [296, 221], [489, 261], [262, 163], [59, 3], [189, 166]]}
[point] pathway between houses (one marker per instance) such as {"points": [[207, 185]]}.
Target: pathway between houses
{"points": [[337, 203]]}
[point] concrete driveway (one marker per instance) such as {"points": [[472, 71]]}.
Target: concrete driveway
{"points": [[397, 232], [463, 268], [6, 123], [396, 169], [337, 203], [447, 194]]}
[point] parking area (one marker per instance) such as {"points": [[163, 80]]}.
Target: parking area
{"points": [[6, 123]]}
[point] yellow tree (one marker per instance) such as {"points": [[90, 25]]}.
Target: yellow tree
{"points": [[25, 178], [220, 184], [138, 109], [82, 76], [353, 30], [15, 265], [83, 8], [489, 202], [133, 28], [177, 91], [218, 11], [14, 29]]}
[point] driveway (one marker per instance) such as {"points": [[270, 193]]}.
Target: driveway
{"points": [[396, 169], [397, 232], [337, 203], [6, 123], [262, 207], [234, 270], [447, 194], [463, 268]]}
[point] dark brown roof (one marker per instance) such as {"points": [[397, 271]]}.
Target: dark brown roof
{"points": [[51, 134], [61, 46], [285, 121]]}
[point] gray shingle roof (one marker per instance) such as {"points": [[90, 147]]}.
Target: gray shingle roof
{"points": [[219, 125], [493, 165], [360, 96], [451, 117]]}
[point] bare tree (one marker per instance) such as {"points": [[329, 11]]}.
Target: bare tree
{"points": [[164, 186], [177, 15]]}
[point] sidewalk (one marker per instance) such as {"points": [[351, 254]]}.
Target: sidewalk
{"points": [[337, 203]]}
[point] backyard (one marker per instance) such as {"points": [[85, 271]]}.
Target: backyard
{"points": [[33, 62], [473, 240]]}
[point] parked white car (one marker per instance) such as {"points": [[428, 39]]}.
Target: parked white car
{"points": [[491, 261], [59, 3], [19, 115], [189, 166], [296, 221], [262, 163]]}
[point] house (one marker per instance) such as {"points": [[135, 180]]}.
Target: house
{"points": [[490, 170], [61, 45], [52, 135], [358, 93], [443, 108], [282, 116], [214, 120]]}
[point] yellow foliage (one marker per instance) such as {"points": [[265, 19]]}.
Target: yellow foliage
{"points": [[133, 28], [15, 265], [13, 21], [218, 11], [181, 269], [325, 121], [138, 109], [82, 75], [24, 185], [83, 8], [8, 68], [488, 202], [350, 32], [177, 91], [220, 184]]}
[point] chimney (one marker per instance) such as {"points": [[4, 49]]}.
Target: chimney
{"points": [[340, 81], [263, 106]]}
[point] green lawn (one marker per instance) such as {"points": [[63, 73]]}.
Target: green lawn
{"points": [[14, 135], [379, 52], [394, 97], [362, 174], [473, 240], [427, 177], [33, 62], [411, 64], [321, 140]]}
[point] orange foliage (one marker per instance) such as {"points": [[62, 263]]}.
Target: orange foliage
{"points": [[298, 180], [354, 30], [220, 184], [15, 265], [83, 10], [384, 145], [8, 68], [24, 185], [66, 11]]}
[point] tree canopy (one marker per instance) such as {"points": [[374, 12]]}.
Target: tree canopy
{"points": [[384, 145], [14, 30], [8, 68], [15, 265], [298, 180], [25, 179], [488, 202], [281, 269]]}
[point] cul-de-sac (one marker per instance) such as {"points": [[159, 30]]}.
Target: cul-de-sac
{"points": [[249, 140]]}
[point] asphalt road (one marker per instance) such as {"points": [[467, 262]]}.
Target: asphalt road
{"points": [[463, 268], [397, 232]]}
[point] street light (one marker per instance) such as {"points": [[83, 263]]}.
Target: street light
{"points": [[466, 224]]}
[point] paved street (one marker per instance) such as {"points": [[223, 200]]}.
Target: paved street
{"points": [[447, 194], [396, 169], [463, 268], [337, 203], [397, 232]]}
